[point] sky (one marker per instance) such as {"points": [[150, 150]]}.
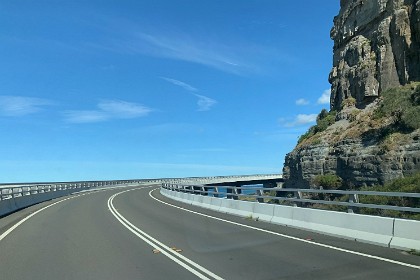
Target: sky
{"points": [[125, 89]]}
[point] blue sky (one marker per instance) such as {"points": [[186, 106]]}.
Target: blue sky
{"points": [[93, 90]]}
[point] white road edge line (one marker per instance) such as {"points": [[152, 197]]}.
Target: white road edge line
{"points": [[12, 228], [74, 195], [167, 251], [290, 237]]}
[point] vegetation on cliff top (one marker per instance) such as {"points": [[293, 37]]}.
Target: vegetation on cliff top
{"points": [[323, 121], [403, 106], [396, 113]]}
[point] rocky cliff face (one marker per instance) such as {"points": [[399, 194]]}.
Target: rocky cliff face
{"points": [[376, 47], [359, 162]]}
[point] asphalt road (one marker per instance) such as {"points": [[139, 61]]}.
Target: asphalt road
{"points": [[130, 234]]}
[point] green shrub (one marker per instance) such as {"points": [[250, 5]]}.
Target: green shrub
{"points": [[403, 104], [322, 115], [415, 97], [409, 184], [306, 135], [323, 121], [328, 181], [348, 102]]}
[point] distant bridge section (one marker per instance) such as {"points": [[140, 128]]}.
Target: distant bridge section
{"points": [[236, 180]]}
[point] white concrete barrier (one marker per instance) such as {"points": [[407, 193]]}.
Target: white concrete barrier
{"points": [[28, 198], [207, 200], [187, 198], [215, 204], [264, 212], [282, 215], [390, 232], [7, 206], [228, 206], [406, 235], [197, 200], [370, 229], [236, 207]]}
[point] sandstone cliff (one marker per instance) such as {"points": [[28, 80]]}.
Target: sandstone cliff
{"points": [[371, 140], [376, 47]]}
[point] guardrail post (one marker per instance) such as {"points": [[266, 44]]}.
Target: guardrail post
{"points": [[353, 198], [236, 191], [298, 195], [216, 192], [260, 193], [228, 192], [204, 191]]}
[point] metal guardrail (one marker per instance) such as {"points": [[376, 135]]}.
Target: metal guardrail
{"points": [[8, 191], [297, 197], [14, 191]]}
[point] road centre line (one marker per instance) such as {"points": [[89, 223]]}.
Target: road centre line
{"points": [[288, 236], [167, 251]]}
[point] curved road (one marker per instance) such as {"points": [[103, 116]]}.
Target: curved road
{"points": [[136, 233]]}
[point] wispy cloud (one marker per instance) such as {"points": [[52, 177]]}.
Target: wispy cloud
{"points": [[325, 97], [78, 116], [204, 102], [15, 106], [123, 110], [302, 102], [183, 47], [181, 84], [301, 119], [108, 110], [215, 50]]}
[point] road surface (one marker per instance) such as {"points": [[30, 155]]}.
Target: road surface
{"points": [[136, 233]]}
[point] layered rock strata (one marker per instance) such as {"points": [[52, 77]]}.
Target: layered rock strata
{"points": [[376, 47]]}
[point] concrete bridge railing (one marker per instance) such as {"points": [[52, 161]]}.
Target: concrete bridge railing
{"points": [[18, 196], [384, 231]]}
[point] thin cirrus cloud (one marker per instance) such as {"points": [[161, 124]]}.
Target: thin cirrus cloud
{"points": [[16, 106], [186, 48], [239, 57], [108, 110], [204, 103]]}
